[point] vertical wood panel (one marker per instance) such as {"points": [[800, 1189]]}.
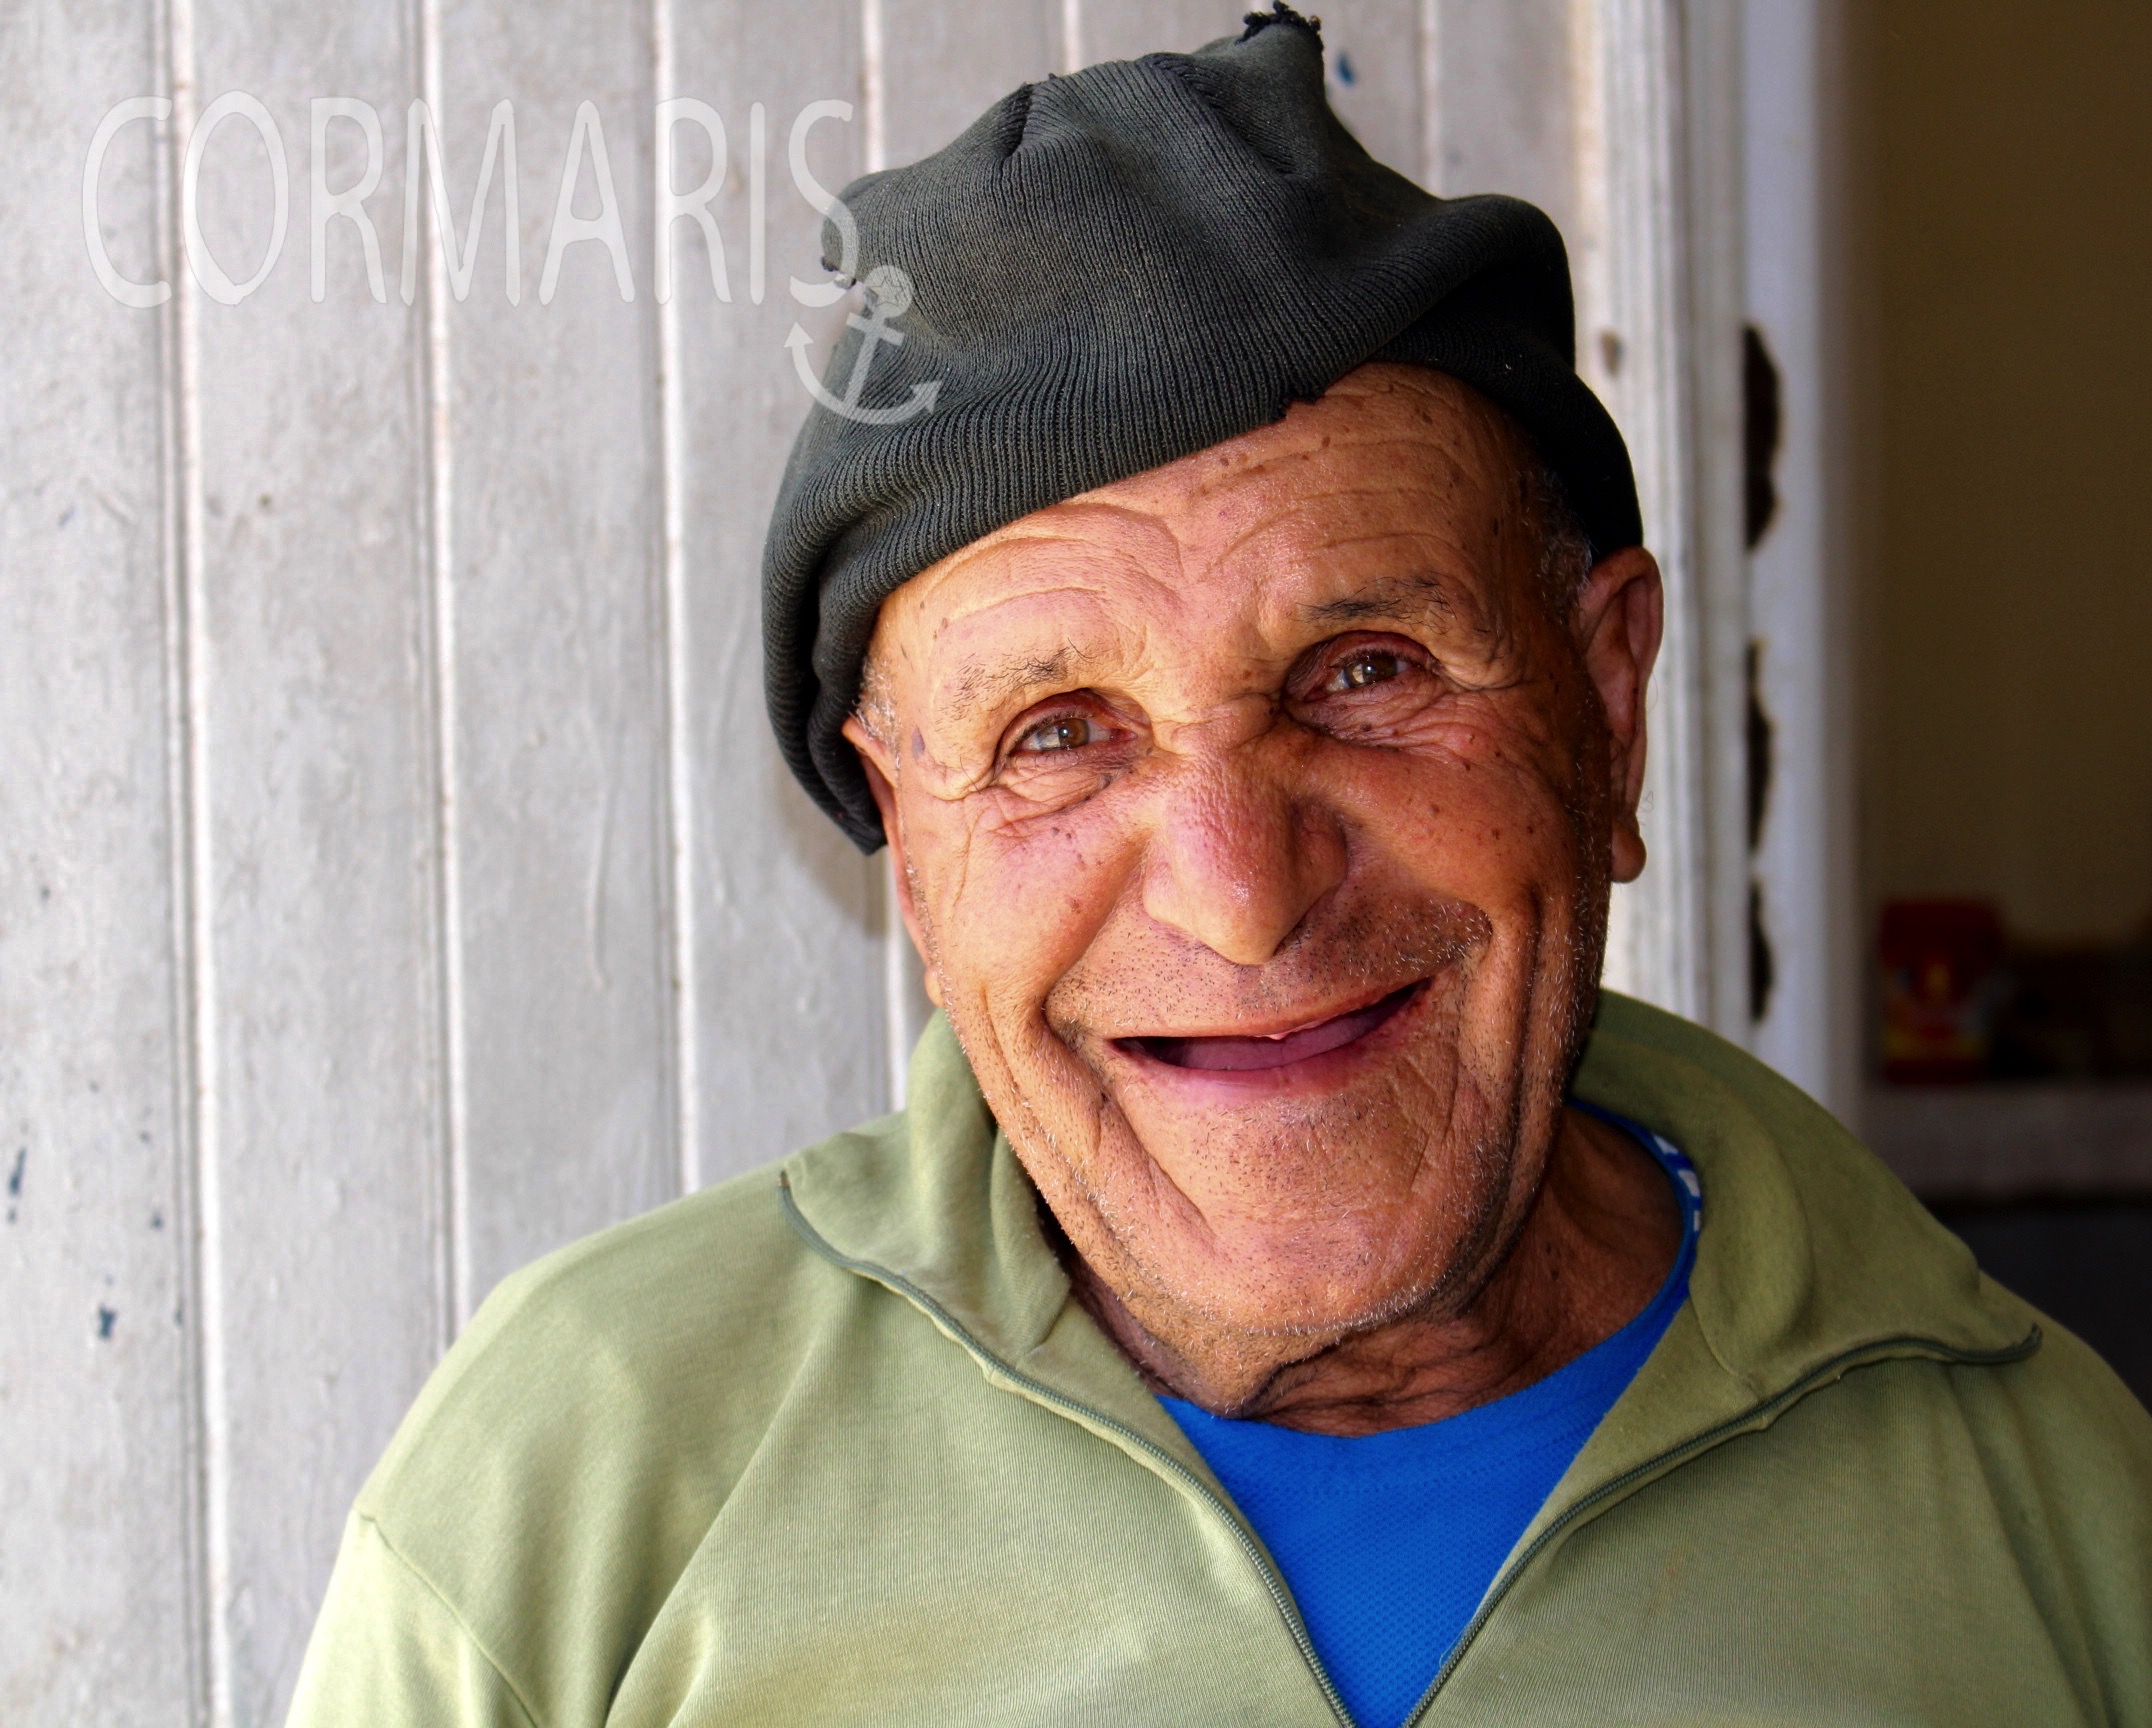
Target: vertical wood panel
{"points": [[94, 1449], [1374, 63], [1812, 1030], [1635, 236], [786, 990], [1372, 57], [414, 732], [1127, 29], [929, 72], [1503, 105], [555, 639], [1707, 130], [942, 66], [319, 1213]]}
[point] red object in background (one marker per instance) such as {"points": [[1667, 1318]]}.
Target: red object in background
{"points": [[1942, 963]]}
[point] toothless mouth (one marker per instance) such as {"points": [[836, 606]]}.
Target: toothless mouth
{"points": [[1245, 1055]]}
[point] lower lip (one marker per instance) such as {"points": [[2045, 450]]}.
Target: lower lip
{"points": [[1382, 1023]]}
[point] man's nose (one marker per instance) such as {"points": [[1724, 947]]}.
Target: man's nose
{"points": [[1238, 856]]}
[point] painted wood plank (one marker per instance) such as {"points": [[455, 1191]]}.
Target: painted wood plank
{"points": [[929, 71], [783, 995], [1798, 594], [551, 627], [1709, 130], [321, 1176], [1502, 98], [932, 69], [1375, 57], [1658, 276], [642, 957], [1628, 247], [95, 1445], [1372, 51], [1128, 29]]}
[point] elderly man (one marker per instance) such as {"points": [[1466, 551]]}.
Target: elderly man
{"points": [[1288, 1296]]}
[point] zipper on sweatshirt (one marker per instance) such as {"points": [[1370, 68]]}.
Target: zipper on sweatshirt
{"points": [[1273, 1581], [1759, 1413], [1281, 1595]]}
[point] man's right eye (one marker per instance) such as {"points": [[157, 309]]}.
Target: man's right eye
{"points": [[1063, 732], [1363, 669]]}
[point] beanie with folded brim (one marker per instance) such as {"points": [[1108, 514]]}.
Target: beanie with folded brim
{"points": [[1107, 272]]}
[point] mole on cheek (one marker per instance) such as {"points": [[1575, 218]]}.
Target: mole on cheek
{"points": [[919, 744]]}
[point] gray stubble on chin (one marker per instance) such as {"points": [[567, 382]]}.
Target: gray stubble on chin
{"points": [[1068, 1121]]}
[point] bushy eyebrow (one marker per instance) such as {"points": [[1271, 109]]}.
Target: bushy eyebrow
{"points": [[982, 685], [1422, 598], [987, 684]]}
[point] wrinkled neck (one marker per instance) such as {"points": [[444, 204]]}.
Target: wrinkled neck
{"points": [[1597, 1240]]}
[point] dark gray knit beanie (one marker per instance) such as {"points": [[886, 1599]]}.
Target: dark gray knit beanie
{"points": [[1107, 272]]}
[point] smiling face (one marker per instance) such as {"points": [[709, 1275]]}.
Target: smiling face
{"points": [[1255, 819]]}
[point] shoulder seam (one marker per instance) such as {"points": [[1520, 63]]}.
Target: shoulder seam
{"points": [[409, 1567]]}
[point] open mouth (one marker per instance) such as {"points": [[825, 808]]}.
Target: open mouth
{"points": [[1247, 1055]]}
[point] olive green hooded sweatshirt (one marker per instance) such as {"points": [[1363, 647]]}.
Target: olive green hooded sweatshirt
{"points": [[831, 1444]]}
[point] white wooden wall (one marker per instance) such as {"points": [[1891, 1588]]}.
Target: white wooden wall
{"points": [[1800, 600], [396, 878]]}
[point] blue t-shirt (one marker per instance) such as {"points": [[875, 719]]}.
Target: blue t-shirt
{"points": [[1388, 1541]]}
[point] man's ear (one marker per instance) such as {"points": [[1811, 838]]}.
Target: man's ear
{"points": [[1618, 621], [881, 772]]}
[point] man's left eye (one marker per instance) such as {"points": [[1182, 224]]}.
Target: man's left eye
{"points": [[1367, 667], [1064, 732]]}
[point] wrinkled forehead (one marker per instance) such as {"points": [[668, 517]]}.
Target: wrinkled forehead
{"points": [[1400, 489], [1378, 408]]}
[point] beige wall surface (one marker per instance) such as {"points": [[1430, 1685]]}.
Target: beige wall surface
{"points": [[397, 877], [2004, 161]]}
